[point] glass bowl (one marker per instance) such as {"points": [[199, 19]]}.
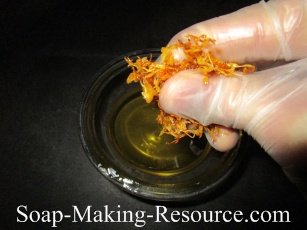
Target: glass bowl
{"points": [[120, 136]]}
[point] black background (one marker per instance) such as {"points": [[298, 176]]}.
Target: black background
{"points": [[50, 50]]}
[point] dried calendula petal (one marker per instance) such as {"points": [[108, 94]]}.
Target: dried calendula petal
{"points": [[152, 75]]}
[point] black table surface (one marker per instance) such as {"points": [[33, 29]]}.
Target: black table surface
{"points": [[50, 51]]}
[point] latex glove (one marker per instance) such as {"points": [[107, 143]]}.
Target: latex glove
{"points": [[270, 105], [263, 31]]}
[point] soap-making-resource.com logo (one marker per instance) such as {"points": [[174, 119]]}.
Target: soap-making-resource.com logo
{"points": [[140, 217]]}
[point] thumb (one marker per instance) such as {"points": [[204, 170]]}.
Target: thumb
{"points": [[270, 105], [186, 95]]}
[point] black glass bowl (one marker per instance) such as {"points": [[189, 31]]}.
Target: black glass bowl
{"points": [[120, 136]]}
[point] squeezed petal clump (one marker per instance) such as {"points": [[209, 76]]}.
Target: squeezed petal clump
{"points": [[197, 55]]}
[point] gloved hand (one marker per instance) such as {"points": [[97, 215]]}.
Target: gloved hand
{"points": [[270, 105]]}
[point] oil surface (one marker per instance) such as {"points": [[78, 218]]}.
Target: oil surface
{"points": [[137, 135]]}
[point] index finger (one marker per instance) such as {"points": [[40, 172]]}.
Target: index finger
{"points": [[263, 31]]}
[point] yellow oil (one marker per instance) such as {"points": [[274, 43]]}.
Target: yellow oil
{"points": [[136, 133]]}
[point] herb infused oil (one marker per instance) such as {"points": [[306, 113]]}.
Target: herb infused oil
{"points": [[137, 134]]}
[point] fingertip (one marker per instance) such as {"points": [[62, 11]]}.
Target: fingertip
{"points": [[181, 92], [225, 140]]}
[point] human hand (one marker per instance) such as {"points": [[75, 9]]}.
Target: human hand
{"points": [[270, 104]]}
